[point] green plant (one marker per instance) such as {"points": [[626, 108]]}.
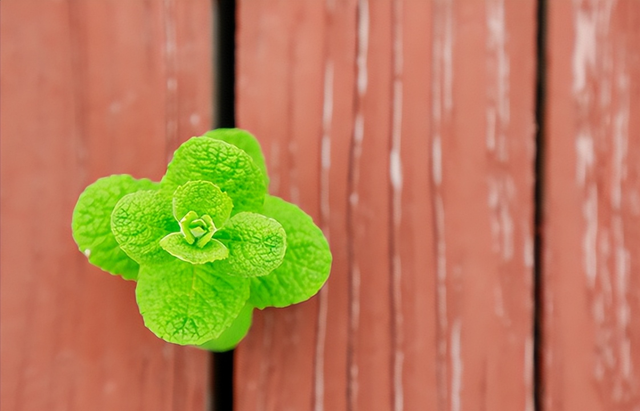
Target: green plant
{"points": [[206, 244]]}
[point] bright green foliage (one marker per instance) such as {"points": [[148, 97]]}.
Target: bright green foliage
{"points": [[139, 221], [188, 304], [222, 164], [232, 335], [91, 223], [202, 197], [244, 141], [206, 244], [306, 264], [256, 245], [176, 245]]}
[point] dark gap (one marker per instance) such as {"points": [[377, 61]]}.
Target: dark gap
{"points": [[224, 116], [538, 287], [225, 64]]}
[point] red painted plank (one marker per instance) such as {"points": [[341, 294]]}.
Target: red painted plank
{"points": [[591, 231], [407, 130], [90, 89]]}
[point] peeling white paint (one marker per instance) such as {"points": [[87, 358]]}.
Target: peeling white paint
{"points": [[436, 159], [363, 46], [585, 43], [441, 261], [325, 148], [194, 119], [354, 325], [585, 156], [395, 170], [528, 251], [620, 143], [456, 366], [506, 228], [443, 40], [497, 117], [323, 304], [589, 240], [497, 45], [325, 165]]}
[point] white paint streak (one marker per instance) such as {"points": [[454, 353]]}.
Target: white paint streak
{"points": [[585, 156], [87, 253], [194, 119], [323, 308], [325, 212], [395, 164], [456, 367], [500, 184], [528, 251], [358, 137], [395, 169], [363, 46], [620, 141], [441, 259], [325, 151], [497, 45], [584, 49], [436, 160], [589, 241], [354, 325]]}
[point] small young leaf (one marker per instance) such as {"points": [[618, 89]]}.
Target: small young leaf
{"points": [[177, 246], [256, 245], [232, 335], [244, 141], [91, 223], [306, 264], [188, 304], [222, 164], [202, 197], [139, 221]]}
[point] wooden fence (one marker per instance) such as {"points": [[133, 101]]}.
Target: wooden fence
{"points": [[475, 165]]}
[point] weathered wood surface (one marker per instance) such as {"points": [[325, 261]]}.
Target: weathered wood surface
{"points": [[406, 129], [591, 334], [90, 88]]}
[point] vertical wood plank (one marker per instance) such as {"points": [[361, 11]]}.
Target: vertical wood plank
{"points": [[90, 89], [407, 130], [482, 160], [592, 207]]}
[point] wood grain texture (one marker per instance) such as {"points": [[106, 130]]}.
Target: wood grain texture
{"points": [[592, 207], [90, 88], [406, 129]]}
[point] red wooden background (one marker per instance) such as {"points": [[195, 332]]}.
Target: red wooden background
{"points": [[90, 88], [407, 128]]}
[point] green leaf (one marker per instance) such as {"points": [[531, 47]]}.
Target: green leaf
{"points": [[244, 141], [306, 264], [230, 337], [91, 223], [256, 245], [176, 245], [188, 304], [139, 221], [202, 197], [222, 164]]}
